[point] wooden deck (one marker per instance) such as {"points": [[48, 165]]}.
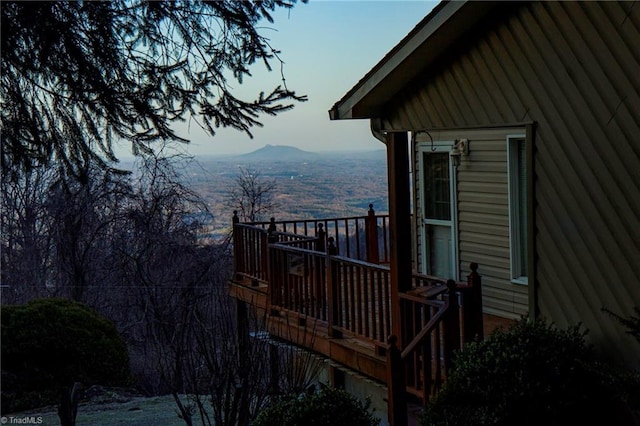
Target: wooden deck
{"points": [[333, 295], [362, 355]]}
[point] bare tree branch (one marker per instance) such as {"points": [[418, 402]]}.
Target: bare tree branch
{"points": [[252, 195]]}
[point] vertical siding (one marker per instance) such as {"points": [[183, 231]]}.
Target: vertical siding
{"points": [[574, 69]]}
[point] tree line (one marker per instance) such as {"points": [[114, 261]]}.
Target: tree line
{"points": [[129, 246], [75, 226]]}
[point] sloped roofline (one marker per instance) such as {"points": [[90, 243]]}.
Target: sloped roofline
{"points": [[445, 24]]}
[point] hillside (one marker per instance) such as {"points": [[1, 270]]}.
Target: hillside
{"points": [[276, 153], [319, 186]]}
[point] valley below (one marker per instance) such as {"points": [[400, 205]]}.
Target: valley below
{"points": [[307, 185]]}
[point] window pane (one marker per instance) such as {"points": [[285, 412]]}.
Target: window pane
{"points": [[437, 186], [518, 207], [522, 206]]}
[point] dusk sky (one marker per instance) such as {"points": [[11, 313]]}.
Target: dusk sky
{"points": [[327, 46]]}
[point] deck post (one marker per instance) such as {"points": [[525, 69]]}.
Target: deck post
{"points": [[331, 247], [396, 386], [320, 237], [371, 231], [272, 231], [473, 322], [400, 268], [451, 324]]}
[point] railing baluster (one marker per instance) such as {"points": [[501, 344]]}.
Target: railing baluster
{"points": [[358, 301], [315, 276], [341, 295], [331, 296], [387, 305], [302, 285], [367, 312], [352, 304], [311, 286], [324, 288], [289, 296], [249, 260], [356, 239], [381, 335], [346, 239], [385, 242], [336, 232], [344, 299], [308, 281], [344, 296]]}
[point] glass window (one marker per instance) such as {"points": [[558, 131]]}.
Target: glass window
{"points": [[437, 186], [517, 154]]}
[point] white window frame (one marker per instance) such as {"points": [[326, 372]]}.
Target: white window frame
{"points": [[440, 147], [515, 231]]}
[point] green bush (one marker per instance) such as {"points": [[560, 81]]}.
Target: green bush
{"points": [[49, 344], [328, 407], [531, 374], [632, 323]]}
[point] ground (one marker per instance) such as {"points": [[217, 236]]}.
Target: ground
{"points": [[110, 408], [118, 407]]}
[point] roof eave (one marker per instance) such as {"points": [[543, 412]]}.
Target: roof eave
{"points": [[439, 29]]}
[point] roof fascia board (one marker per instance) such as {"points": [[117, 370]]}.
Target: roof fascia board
{"points": [[421, 46], [344, 108]]}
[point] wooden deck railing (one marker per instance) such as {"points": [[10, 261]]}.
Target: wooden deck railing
{"points": [[359, 299], [298, 281], [306, 276], [250, 245], [438, 320], [360, 237]]}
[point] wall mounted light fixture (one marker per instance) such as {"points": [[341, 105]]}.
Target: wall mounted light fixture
{"points": [[459, 148]]}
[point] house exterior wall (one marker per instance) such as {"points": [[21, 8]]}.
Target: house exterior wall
{"points": [[572, 69], [359, 386], [482, 213]]}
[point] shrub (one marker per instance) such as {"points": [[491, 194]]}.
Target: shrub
{"points": [[632, 323], [531, 374], [49, 344], [328, 407]]}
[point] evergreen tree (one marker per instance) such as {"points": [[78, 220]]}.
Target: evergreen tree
{"points": [[79, 75]]}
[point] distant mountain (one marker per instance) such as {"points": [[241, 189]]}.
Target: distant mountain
{"points": [[277, 153]]}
